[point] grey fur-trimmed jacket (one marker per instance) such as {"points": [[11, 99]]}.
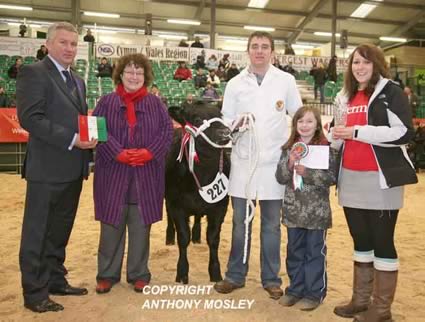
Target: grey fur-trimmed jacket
{"points": [[389, 129], [308, 208]]}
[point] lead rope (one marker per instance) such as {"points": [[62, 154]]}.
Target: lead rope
{"points": [[247, 124]]}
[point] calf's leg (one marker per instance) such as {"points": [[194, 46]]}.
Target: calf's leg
{"points": [[196, 230], [171, 231], [183, 239], [213, 238]]}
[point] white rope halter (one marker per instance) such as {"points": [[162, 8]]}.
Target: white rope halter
{"points": [[191, 133], [246, 123]]}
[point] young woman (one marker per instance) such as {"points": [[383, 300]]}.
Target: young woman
{"points": [[374, 168]]}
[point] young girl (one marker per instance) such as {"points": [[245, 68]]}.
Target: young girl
{"points": [[306, 213]]}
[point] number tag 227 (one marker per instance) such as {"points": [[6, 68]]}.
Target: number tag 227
{"points": [[216, 190]]}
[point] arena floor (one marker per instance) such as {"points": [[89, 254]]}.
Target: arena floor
{"points": [[201, 303]]}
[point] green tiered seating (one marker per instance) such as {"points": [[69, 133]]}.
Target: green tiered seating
{"points": [[330, 90], [310, 80], [29, 59], [302, 75], [11, 88], [91, 102], [81, 62], [420, 110], [13, 58], [106, 85]]}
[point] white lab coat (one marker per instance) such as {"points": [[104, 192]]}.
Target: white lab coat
{"points": [[244, 95]]}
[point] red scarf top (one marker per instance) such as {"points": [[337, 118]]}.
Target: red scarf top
{"points": [[130, 99]]}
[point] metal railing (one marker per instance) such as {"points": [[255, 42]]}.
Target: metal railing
{"points": [[12, 157], [12, 154]]}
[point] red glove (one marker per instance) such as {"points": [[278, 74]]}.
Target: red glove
{"points": [[140, 156], [124, 156]]}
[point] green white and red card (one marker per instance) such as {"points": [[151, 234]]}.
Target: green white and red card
{"points": [[92, 127]]}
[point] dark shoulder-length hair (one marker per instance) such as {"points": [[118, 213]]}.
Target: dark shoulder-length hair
{"points": [[380, 68], [136, 60], [318, 138]]}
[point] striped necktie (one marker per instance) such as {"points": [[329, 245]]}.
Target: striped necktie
{"points": [[70, 83]]}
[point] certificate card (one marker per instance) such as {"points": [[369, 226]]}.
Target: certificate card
{"points": [[317, 157], [92, 127]]}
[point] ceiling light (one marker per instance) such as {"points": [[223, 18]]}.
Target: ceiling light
{"points": [[6, 6], [178, 37], [258, 3], [184, 22], [326, 34], [258, 28], [395, 39], [110, 28], [299, 46], [363, 10], [14, 23], [103, 31], [202, 35], [236, 41], [101, 14]]}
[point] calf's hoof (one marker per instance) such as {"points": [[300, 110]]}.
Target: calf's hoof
{"points": [[183, 280], [170, 242], [216, 279]]}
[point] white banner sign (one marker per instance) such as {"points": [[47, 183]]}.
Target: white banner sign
{"points": [[167, 53], [116, 50], [28, 47], [240, 58], [152, 52], [307, 62]]}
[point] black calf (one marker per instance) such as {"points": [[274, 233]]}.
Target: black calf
{"points": [[181, 192]]}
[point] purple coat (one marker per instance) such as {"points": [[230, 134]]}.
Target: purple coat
{"points": [[154, 132]]}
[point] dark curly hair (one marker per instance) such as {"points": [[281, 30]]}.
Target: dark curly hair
{"points": [[136, 60]]}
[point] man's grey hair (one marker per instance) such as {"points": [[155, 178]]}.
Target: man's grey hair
{"points": [[63, 25]]}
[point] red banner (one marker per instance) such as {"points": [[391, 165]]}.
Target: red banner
{"points": [[10, 130], [420, 122]]}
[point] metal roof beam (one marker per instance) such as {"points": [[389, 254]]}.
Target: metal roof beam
{"points": [[313, 13], [389, 4], [410, 24], [284, 12]]}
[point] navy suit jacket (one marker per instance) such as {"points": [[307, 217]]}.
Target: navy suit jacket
{"points": [[49, 112]]}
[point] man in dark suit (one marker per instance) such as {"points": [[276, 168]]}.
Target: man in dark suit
{"points": [[50, 97]]}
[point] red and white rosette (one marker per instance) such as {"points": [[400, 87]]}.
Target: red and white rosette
{"points": [[302, 149]]}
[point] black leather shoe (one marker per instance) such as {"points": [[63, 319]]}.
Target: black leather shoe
{"points": [[68, 290], [46, 305]]}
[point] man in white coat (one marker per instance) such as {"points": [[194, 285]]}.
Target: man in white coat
{"points": [[266, 94]]}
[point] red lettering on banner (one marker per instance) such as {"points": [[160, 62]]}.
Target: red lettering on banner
{"points": [[10, 130]]}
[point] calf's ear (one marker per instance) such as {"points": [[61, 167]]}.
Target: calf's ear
{"points": [[176, 113]]}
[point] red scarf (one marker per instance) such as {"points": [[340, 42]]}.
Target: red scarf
{"points": [[130, 99]]}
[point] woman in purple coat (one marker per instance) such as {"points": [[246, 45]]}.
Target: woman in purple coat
{"points": [[129, 173]]}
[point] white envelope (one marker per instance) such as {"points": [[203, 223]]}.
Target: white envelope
{"points": [[317, 157]]}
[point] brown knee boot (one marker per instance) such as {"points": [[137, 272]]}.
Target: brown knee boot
{"points": [[362, 290], [383, 295]]}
